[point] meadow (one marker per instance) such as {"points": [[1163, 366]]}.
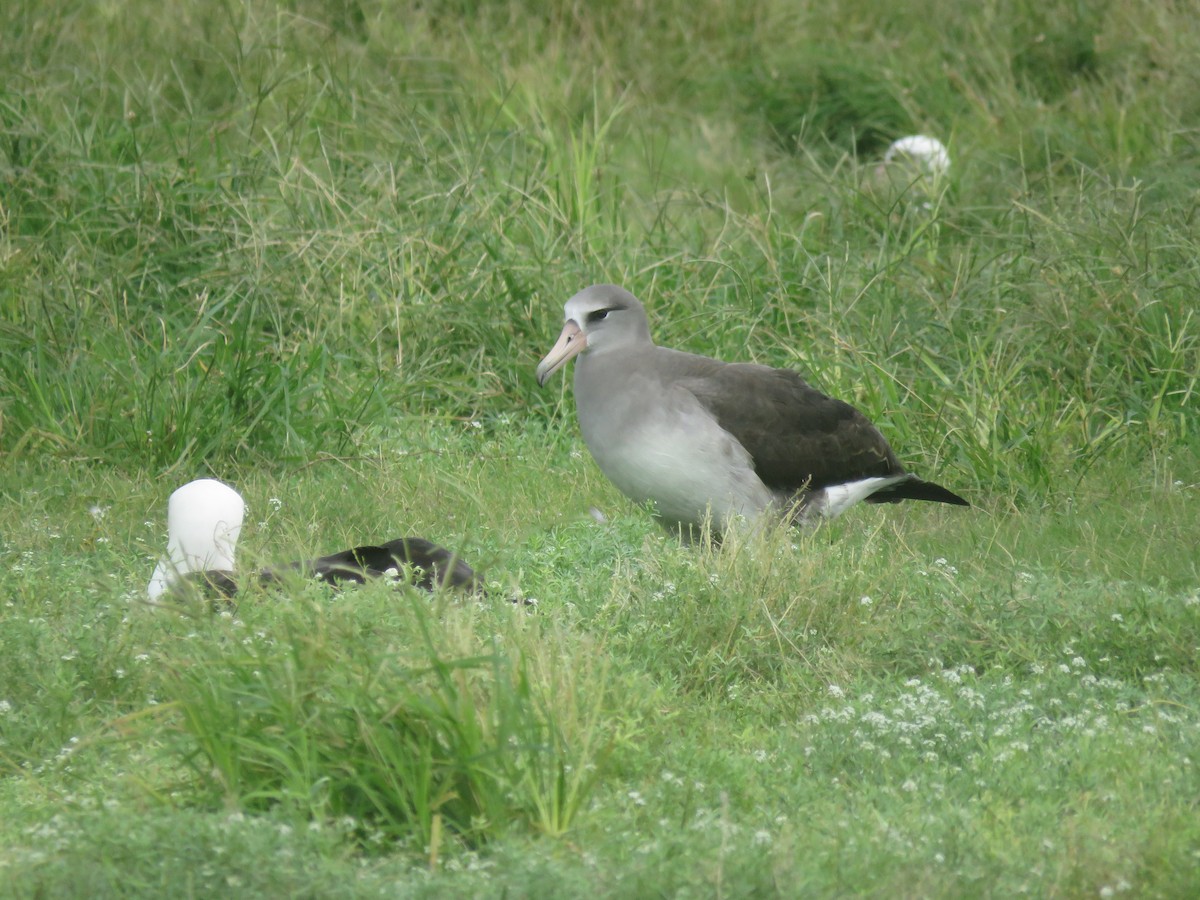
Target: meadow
{"points": [[316, 249]]}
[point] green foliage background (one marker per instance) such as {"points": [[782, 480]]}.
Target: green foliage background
{"points": [[260, 229]]}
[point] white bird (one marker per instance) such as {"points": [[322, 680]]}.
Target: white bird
{"points": [[712, 441]]}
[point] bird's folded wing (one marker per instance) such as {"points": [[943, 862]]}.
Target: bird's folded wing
{"points": [[797, 436]]}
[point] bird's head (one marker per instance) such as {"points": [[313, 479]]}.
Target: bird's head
{"points": [[599, 318]]}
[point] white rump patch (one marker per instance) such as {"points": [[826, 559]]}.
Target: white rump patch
{"points": [[835, 499]]}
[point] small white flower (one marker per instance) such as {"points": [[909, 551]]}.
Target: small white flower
{"points": [[835, 691], [865, 601], [276, 504], [909, 786]]}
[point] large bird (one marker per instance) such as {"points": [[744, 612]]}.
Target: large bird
{"points": [[712, 441], [204, 519]]}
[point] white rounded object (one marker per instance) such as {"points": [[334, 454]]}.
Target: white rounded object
{"points": [[204, 519], [927, 152]]}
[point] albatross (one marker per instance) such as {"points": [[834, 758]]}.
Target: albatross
{"points": [[204, 520], [716, 442]]}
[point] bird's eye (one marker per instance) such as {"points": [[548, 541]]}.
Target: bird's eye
{"points": [[598, 315]]}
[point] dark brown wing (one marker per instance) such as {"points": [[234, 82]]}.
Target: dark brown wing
{"points": [[432, 564], [797, 436]]}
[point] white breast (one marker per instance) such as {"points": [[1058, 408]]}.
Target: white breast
{"points": [[658, 443]]}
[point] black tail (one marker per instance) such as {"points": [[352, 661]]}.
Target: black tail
{"points": [[916, 489]]}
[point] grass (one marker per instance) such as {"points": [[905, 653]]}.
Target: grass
{"points": [[316, 250]]}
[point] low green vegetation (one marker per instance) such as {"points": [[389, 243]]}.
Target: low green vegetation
{"points": [[316, 249]]}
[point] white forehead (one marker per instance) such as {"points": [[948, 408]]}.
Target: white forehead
{"points": [[598, 296]]}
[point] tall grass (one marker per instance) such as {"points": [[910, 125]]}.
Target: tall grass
{"points": [[280, 233], [426, 731]]}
